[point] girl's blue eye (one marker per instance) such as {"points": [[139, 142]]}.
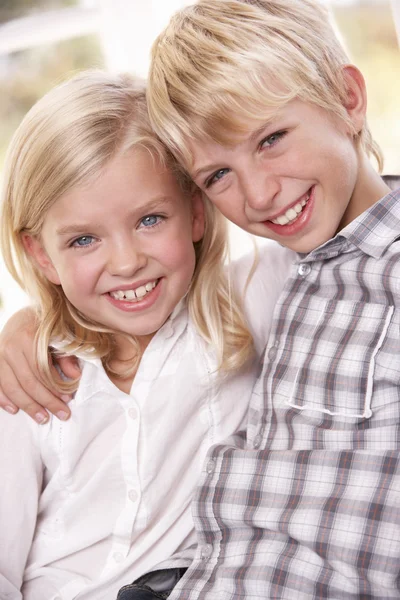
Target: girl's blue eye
{"points": [[84, 240], [216, 177], [150, 220]]}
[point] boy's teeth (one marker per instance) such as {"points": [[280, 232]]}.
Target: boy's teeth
{"points": [[292, 213], [136, 294]]}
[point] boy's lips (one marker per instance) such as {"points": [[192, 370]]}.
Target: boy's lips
{"points": [[294, 218]]}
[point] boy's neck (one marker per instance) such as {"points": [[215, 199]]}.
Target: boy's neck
{"points": [[369, 188]]}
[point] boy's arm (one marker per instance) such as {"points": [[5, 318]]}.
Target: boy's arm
{"points": [[20, 384]]}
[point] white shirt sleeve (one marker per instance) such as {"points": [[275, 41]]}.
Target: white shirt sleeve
{"points": [[270, 264], [21, 482]]}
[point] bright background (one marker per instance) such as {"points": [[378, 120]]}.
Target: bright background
{"points": [[43, 42]]}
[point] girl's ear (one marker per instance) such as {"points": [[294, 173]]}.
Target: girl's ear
{"points": [[198, 219], [356, 102], [41, 259]]}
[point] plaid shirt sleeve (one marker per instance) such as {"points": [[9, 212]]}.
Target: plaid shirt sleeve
{"points": [[308, 505]]}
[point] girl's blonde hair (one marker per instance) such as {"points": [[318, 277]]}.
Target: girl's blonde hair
{"points": [[67, 138], [220, 62]]}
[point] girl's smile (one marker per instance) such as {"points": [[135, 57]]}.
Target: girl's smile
{"points": [[121, 245]]}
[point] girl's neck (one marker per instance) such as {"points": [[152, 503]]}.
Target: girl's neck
{"points": [[125, 353]]}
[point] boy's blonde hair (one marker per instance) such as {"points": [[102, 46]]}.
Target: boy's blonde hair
{"points": [[68, 137], [220, 62]]}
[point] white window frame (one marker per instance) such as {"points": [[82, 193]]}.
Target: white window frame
{"points": [[126, 29]]}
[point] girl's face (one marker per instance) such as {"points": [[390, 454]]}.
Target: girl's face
{"points": [[121, 246]]}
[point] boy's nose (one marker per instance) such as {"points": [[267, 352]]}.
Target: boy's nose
{"points": [[126, 259], [259, 190]]}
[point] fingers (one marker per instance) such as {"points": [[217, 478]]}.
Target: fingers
{"points": [[69, 366], [6, 404], [12, 389], [28, 392]]}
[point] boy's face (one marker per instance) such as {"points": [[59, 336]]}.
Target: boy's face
{"points": [[296, 180], [121, 245]]}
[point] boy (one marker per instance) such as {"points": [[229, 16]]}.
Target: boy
{"points": [[260, 105]]}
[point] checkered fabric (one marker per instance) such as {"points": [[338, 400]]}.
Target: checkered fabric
{"points": [[308, 506]]}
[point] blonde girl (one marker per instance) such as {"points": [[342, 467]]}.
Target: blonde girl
{"points": [[124, 262]]}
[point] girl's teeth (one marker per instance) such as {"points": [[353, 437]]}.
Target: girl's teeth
{"points": [[292, 213], [136, 294]]}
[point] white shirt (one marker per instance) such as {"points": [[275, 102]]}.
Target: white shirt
{"points": [[91, 504]]}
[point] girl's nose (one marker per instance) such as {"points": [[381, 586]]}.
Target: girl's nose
{"points": [[126, 259]]}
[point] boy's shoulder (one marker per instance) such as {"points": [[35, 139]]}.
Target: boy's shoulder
{"points": [[393, 181], [267, 263], [259, 278]]}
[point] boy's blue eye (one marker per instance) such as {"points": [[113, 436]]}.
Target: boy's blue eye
{"points": [[84, 240], [216, 176], [272, 139], [150, 220]]}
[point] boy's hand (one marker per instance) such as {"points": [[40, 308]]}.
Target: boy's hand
{"points": [[20, 385]]}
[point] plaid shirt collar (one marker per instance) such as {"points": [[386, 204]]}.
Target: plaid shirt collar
{"points": [[372, 232]]}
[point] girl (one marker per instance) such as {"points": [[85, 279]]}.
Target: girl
{"points": [[124, 261]]}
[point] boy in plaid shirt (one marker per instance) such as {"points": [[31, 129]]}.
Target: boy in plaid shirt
{"points": [[258, 101]]}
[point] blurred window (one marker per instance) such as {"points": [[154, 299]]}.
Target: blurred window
{"points": [[44, 41], [369, 33]]}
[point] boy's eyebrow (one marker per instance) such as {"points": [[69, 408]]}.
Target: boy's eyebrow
{"points": [[146, 207], [257, 132], [253, 136]]}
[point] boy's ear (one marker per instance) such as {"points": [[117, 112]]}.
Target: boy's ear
{"points": [[356, 103], [198, 217], [38, 254]]}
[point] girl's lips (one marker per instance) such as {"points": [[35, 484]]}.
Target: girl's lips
{"points": [[299, 223], [137, 305]]}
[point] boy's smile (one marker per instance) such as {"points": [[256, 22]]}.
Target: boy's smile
{"points": [[121, 246], [299, 181]]}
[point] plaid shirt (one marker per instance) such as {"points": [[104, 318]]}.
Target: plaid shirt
{"points": [[309, 505]]}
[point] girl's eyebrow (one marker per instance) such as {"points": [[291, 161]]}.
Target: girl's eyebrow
{"points": [[146, 207], [74, 228]]}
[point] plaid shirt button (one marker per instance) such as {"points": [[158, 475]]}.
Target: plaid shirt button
{"points": [[210, 468], [257, 441], [272, 352], [206, 551], [304, 270]]}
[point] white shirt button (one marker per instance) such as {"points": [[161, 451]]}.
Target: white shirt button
{"points": [[272, 353], [118, 557], [133, 495], [210, 468], [132, 412], [206, 551], [304, 270]]}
